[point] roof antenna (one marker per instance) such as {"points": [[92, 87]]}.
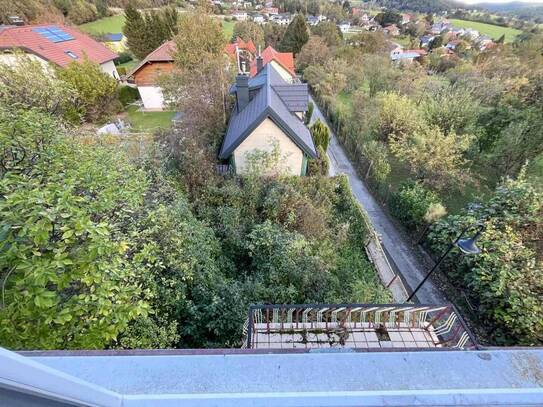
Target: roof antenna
{"points": [[238, 62]]}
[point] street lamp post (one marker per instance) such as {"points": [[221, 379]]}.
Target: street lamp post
{"points": [[467, 246]]}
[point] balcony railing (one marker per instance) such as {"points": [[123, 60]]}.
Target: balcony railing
{"points": [[357, 326]]}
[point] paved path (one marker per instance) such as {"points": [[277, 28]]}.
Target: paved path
{"points": [[399, 248]]}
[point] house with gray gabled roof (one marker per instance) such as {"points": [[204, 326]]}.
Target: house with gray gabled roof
{"points": [[267, 117]]}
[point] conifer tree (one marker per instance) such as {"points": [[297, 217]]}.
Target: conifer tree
{"points": [[145, 33], [296, 36], [134, 31], [320, 134]]}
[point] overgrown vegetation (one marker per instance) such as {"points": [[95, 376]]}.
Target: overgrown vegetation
{"points": [[98, 250], [439, 136]]}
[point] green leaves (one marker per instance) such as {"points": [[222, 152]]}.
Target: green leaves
{"points": [[63, 222], [505, 281]]}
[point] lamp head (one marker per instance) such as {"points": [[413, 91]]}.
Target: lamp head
{"points": [[468, 246]]}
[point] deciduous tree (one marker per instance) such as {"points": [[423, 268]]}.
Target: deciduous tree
{"points": [[249, 31]]}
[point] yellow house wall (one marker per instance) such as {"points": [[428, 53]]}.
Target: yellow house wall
{"points": [[263, 138]]}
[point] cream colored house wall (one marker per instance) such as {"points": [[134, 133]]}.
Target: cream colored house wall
{"points": [[264, 138], [11, 59]]}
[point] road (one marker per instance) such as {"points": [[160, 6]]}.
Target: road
{"points": [[400, 249]]}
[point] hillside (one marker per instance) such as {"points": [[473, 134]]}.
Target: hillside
{"points": [[512, 7], [70, 11], [41, 11], [421, 6]]}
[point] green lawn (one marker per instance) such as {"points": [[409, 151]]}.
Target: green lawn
{"points": [[403, 40], [113, 24], [129, 65], [345, 99], [148, 121], [493, 31], [228, 29]]}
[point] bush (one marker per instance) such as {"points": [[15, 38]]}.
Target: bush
{"points": [[504, 282], [123, 58], [121, 70], [309, 112], [321, 135], [97, 90], [128, 95], [319, 165], [411, 203]]}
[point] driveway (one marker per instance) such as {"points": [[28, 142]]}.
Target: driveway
{"points": [[399, 248]]}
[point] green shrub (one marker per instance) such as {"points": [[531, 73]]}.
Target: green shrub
{"points": [[321, 135], [411, 203], [127, 95], [123, 58], [319, 165], [121, 70], [96, 90], [504, 282], [309, 112]]}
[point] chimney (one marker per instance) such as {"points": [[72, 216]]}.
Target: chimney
{"points": [[259, 61], [242, 90]]}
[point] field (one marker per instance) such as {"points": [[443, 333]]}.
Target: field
{"points": [[227, 29], [493, 31], [113, 24]]}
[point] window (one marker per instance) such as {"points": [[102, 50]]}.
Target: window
{"points": [[53, 34], [71, 55]]}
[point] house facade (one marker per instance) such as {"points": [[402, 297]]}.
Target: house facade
{"points": [[399, 55], [267, 120], [147, 73], [56, 44]]}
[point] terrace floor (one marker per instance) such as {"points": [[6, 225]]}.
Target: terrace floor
{"points": [[350, 335]]}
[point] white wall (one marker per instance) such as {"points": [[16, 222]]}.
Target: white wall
{"points": [[152, 97], [110, 69], [263, 138]]}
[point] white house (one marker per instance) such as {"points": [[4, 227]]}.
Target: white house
{"points": [[258, 18], [344, 26], [240, 15], [281, 19]]}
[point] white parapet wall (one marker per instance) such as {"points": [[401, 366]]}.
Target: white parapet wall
{"points": [[496, 377]]}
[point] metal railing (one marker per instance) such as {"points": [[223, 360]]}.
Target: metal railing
{"points": [[369, 326]]}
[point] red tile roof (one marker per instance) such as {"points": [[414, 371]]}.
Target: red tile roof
{"points": [[29, 41], [285, 59], [164, 53], [230, 49]]}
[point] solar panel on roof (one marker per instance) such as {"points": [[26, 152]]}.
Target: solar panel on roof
{"points": [[53, 34]]}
